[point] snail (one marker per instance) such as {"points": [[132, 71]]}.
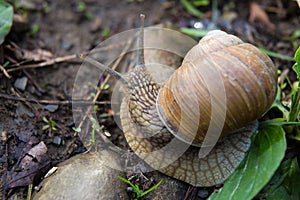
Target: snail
{"points": [[211, 102]]}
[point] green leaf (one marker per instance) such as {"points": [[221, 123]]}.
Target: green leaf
{"points": [[264, 157], [135, 187], [297, 56], [191, 9], [296, 34], [53, 124], [295, 107], [285, 183], [105, 33], [78, 129], [6, 18], [198, 3], [45, 119], [34, 29], [105, 115], [152, 188], [45, 127], [106, 86], [194, 32]]}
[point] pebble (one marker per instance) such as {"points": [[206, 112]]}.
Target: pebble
{"points": [[51, 108], [21, 83], [57, 140], [67, 45], [202, 193]]}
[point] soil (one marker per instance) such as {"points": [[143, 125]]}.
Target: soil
{"points": [[64, 28]]}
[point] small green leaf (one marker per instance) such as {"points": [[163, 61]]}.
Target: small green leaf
{"points": [[295, 107], [198, 3], [81, 6], [264, 157], [53, 124], [152, 188], [105, 33], [34, 29], [296, 33], [6, 19], [45, 119], [45, 127], [105, 115], [191, 9], [106, 86], [194, 32], [135, 187], [78, 130], [297, 56]]}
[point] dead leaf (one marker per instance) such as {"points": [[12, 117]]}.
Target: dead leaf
{"points": [[257, 14], [31, 165]]}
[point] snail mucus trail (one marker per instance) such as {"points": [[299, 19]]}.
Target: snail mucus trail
{"points": [[153, 137]]}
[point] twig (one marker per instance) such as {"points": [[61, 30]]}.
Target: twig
{"points": [[66, 102], [34, 82], [5, 72], [46, 63]]}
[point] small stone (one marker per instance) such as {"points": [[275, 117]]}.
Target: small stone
{"points": [[57, 140], [202, 193], [21, 83], [51, 108], [67, 45]]}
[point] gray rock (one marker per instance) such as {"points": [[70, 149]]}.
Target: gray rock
{"points": [[51, 108], [57, 140], [85, 176], [21, 83]]}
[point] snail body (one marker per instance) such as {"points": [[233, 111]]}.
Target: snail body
{"points": [[152, 116]]}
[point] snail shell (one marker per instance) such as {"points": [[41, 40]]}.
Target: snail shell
{"points": [[249, 78], [154, 117]]}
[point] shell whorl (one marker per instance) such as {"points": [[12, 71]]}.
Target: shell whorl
{"points": [[249, 79]]}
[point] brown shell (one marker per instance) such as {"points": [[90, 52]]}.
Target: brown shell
{"points": [[222, 83]]}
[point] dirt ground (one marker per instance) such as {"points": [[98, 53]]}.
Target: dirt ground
{"points": [[65, 28]]}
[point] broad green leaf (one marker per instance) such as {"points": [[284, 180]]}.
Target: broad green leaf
{"points": [[292, 183], [264, 157], [285, 183], [6, 18], [279, 194]]}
